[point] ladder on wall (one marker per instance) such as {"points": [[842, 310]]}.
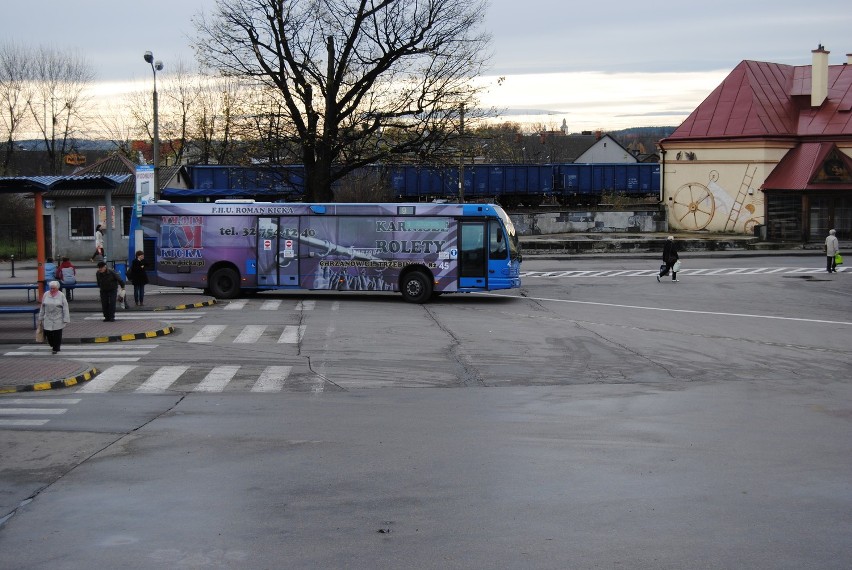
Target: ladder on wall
{"points": [[734, 214]]}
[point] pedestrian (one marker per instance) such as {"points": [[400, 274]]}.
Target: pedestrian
{"points": [[67, 275], [139, 278], [54, 315], [832, 248], [49, 270], [670, 257], [110, 285], [99, 244]]}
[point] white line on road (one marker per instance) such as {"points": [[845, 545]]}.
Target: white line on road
{"points": [[160, 380], [271, 305], [687, 311], [106, 379], [236, 305], [217, 379], [22, 423], [31, 411], [208, 333], [292, 334], [250, 334], [272, 379]]}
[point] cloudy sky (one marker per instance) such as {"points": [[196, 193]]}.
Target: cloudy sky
{"points": [[596, 65]]}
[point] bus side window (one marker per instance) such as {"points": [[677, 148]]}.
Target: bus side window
{"points": [[496, 242]]}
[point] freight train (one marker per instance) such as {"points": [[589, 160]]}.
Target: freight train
{"points": [[511, 185]]}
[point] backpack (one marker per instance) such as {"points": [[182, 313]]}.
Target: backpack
{"points": [[68, 277]]}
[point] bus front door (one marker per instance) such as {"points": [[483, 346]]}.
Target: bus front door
{"points": [[473, 260], [278, 252]]}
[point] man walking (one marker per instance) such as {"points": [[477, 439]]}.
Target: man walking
{"points": [[108, 282]]}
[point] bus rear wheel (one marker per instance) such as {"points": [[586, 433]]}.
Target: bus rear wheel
{"points": [[416, 287], [225, 284]]}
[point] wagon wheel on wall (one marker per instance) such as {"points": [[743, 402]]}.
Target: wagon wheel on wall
{"points": [[693, 206]]}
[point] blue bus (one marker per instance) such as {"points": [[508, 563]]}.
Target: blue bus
{"points": [[418, 249]]}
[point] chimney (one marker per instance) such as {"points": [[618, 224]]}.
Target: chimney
{"points": [[849, 58], [819, 76]]}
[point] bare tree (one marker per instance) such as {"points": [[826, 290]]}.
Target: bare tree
{"points": [[347, 71], [214, 124], [60, 82], [15, 94]]}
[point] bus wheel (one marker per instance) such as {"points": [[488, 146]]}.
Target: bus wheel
{"points": [[225, 284], [416, 287]]}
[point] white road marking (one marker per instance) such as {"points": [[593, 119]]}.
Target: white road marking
{"points": [[292, 334], [250, 334], [306, 305], [208, 333], [686, 311], [236, 305], [160, 380], [217, 379], [31, 411], [272, 379], [22, 423], [106, 379], [271, 305]]}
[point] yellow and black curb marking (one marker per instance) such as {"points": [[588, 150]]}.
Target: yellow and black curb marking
{"points": [[55, 384], [207, 303], [125, 337]]}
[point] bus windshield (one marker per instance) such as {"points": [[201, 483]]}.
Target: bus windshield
{"points": [[514, 240]]}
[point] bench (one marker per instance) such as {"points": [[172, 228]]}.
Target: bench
{"points": [[77, 285], [32, 289], [10, 310]]}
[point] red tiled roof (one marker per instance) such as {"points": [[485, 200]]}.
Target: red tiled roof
{"points": [[799, 169], [760, 99]]}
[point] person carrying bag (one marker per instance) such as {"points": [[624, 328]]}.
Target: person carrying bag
{"points": [[111, 286]]}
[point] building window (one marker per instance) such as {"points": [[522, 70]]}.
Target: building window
{"points": [[126, 215], [82, 223]]}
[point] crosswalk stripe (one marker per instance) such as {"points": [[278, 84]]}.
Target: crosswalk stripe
{"points": [[250, 334], [292, 334], [208, 333], [160, 380], [22, 423], [272, 379], [106, 379], [306, 305], [31, 411], [271, 305], [236, 305], [217, 379], [25, 401]]}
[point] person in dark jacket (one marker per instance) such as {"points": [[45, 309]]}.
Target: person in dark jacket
{"points": [[670, 256], [139, 277], [109, 283]]}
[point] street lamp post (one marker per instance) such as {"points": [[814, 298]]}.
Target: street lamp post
{"points": [[155, 67]]}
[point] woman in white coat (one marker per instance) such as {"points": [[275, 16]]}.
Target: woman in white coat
{"points": [[54, 315]]}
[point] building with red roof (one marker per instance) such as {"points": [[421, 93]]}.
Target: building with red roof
{"points": [[771, 147]]}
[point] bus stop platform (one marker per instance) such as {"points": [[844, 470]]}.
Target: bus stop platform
{"points": [[33, 373]]}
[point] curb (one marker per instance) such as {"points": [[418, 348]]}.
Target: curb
{"points": [[53, 385], [207, 303], [126, 337]]}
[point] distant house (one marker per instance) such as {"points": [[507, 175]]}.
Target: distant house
{"points": [[72, 215], [606, 150], [769, 147]]}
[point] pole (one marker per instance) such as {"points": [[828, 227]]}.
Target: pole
{"points": [[156, 143], [39, 230], [461, 154]]}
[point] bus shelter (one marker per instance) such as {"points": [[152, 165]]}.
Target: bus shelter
{"points": [[38, 185]]}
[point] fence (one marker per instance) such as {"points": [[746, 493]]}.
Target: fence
{"points": [[17, 240]]}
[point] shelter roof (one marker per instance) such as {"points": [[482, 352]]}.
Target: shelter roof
{"points": [[24, 184]]}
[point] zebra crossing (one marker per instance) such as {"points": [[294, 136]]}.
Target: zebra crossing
{"points": [[250, 334], [30, 412], [687, 271], [185, 378]]}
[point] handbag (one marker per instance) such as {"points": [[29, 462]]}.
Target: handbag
{"points": [[663, 269], [676, 266], [838, 259], [39, 334]]}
